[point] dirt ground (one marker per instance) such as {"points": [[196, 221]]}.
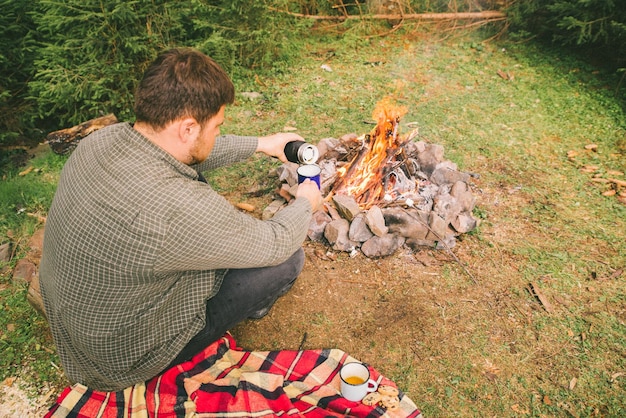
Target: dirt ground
{"points": [[427, 322], [397, 313]]}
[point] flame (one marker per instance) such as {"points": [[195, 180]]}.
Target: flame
{"points": [[364, 177]]}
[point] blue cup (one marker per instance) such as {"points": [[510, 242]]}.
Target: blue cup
{"points": [[309, 171]]}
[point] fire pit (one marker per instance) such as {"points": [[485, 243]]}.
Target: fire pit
{"points": [[384, 190]]}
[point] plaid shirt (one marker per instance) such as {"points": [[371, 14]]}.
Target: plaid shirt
{"points": [[134, 246]]}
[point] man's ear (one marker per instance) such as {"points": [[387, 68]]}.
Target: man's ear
{"points": [[188, 129]]}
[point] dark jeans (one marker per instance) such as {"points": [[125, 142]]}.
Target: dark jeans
{"points": [[243, 292]]}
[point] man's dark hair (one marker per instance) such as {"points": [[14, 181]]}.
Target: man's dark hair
{"points": [[182, 83]]}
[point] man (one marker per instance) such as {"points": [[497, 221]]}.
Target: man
{"points": [[144, 264]]}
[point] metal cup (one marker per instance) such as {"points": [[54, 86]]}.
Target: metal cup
{"points": [[309, 171], [356, 382]]}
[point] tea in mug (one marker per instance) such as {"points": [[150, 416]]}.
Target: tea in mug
{"points": [[354, 380]]}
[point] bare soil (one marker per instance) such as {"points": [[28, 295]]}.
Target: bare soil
{"points": [[442, 330]]}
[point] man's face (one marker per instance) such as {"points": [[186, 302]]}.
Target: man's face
{"points": [[203, 144]]}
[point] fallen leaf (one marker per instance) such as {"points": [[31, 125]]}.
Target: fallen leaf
{"points": [[591, 147], [614, 376], [614, 173], [10, 327], [519, 410], [621, 199], [589, 168], [258, 80], [572, 383], [571, 154], [611, 192], [290, 128], [616, 274], [490, 370], [245, 206], [542, 298], [546, 400], [505, 75], [28, 170], [621, 183], [9, 381]]}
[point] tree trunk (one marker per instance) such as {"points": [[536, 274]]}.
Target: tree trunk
{"points": [[484, 15]]}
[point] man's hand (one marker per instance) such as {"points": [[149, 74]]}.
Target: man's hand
{"points": [[274, 145], [308, 189]]}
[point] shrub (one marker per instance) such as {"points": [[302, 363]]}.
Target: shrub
{"points": [[596, 27], [16, 67], [94, 52]]}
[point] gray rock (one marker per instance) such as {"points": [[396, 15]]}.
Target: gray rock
{"points": [[24, 271], [430, 157], [447, 207], [464, 223], [408, 223], [438, 227], [382, 246], [318, 224], [287, 173], [346, 205], [461, 191], [336, 232], [376, 221], [272, 208], [334, 214], [446, 173], [325, 146], [359, 231], [5, 252]]}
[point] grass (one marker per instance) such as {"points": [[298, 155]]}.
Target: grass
{"points": [[486, 349]]}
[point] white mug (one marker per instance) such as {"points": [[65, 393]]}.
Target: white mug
{"points": [[356, 382]]}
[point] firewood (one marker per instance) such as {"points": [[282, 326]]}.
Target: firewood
{"points": [[65, 140]]}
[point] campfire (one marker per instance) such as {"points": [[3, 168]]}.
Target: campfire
{"points": [[378, 172], [385, 189]]}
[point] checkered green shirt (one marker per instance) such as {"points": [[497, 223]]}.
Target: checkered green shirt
{"points": [[134, 246]]}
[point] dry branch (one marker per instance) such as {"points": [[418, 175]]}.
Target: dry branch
{"points": [[65, 140], [484, 15]]}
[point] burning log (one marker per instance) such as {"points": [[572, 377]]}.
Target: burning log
{"points": [[366, 175]]}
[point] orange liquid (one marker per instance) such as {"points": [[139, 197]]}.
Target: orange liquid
{"points": [[354, 380]]}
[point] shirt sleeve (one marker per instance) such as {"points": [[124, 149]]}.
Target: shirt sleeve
{"points": [[229, 149], [208, 232]]}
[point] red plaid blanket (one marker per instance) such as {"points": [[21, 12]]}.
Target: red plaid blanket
{"points": [[226, 381]]}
